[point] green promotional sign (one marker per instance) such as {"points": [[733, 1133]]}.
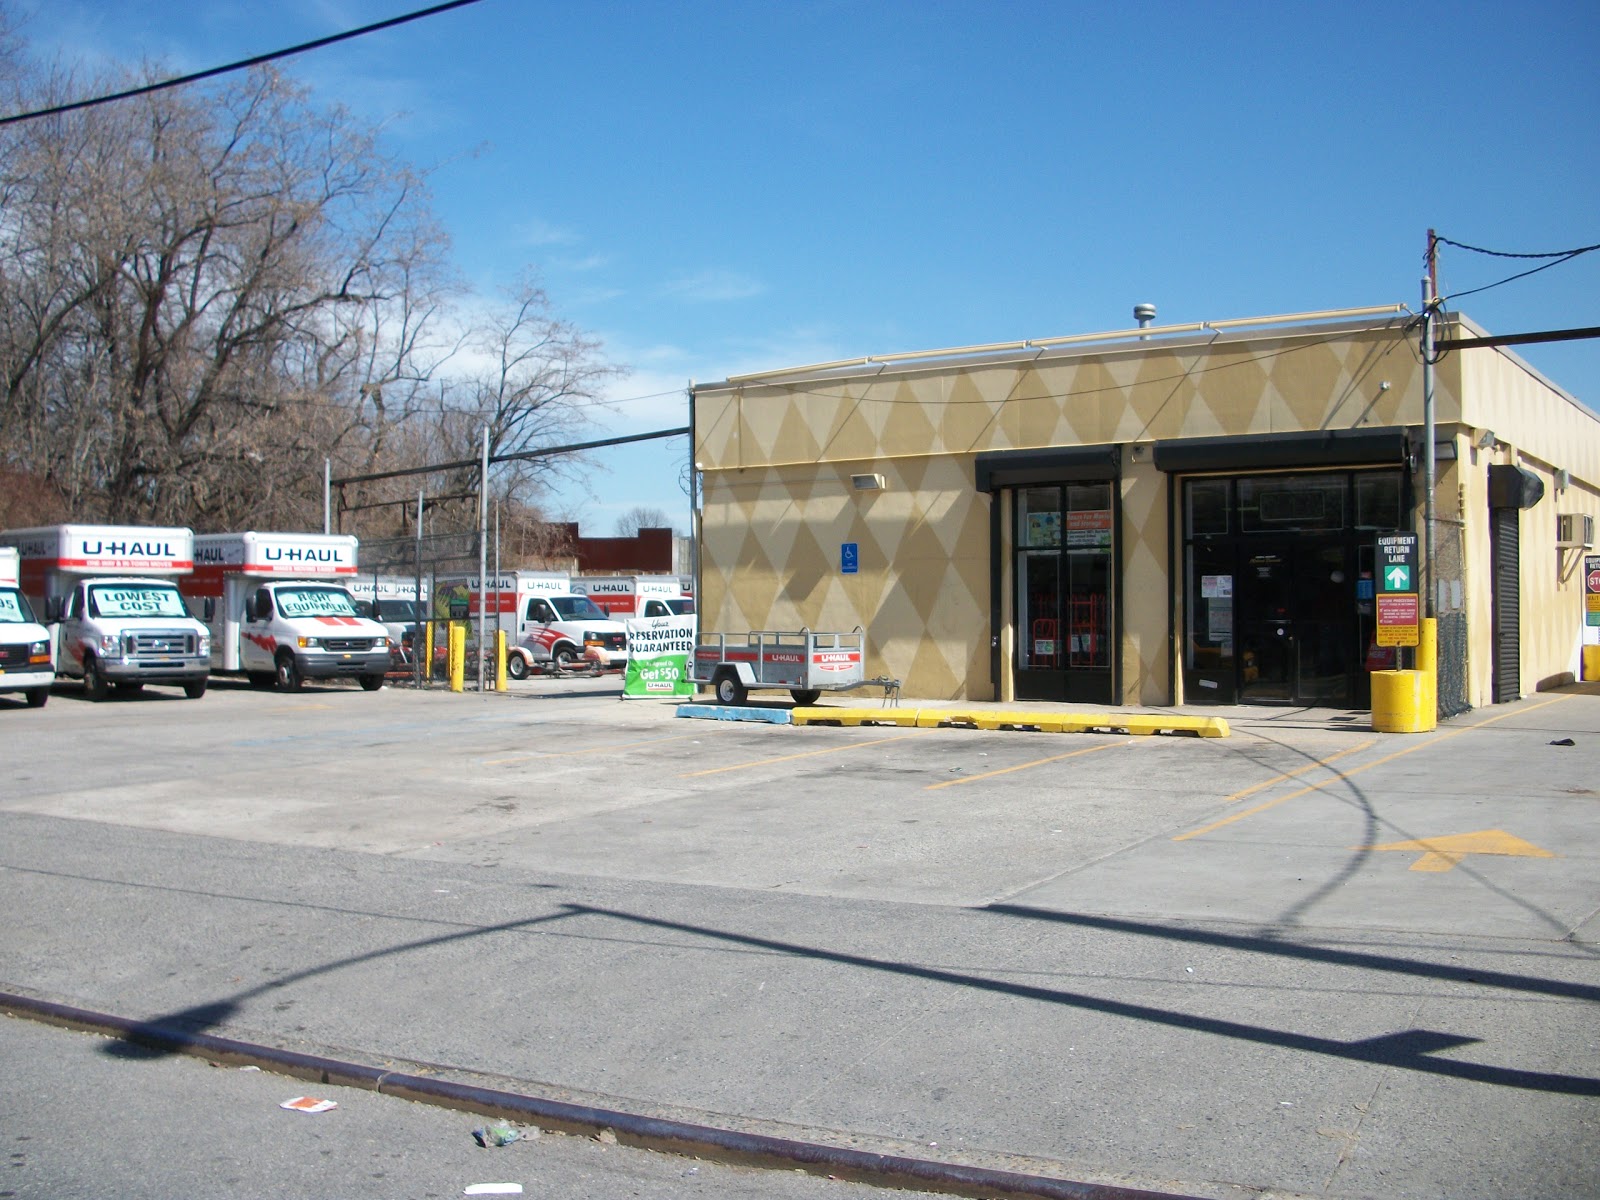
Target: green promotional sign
{"points": [[658, 658]]}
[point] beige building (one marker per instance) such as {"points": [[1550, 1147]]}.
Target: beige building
{"points": [[1164, 515]]}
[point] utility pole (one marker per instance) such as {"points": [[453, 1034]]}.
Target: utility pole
{"points": [[1430, 300], [483, 557]]}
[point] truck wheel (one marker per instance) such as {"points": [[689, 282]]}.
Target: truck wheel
{"points": [[729, 689], [371, 683], [288, 674], [94, 682], [806, 696], [37, 697], [516, 666], [565, 656], [195, 689]]}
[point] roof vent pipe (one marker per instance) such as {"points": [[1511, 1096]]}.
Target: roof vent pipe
{"points": [[1144, 314]]}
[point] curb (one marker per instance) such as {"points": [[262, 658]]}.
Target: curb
{"points": [[1140, 724], [648, 1133], [728, 712]]}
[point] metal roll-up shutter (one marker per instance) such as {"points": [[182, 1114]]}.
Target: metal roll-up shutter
{"points": [[1505, 566]]}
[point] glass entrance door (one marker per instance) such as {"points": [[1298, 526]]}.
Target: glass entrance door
{"points": [[1064, 593], [1295, 604]]}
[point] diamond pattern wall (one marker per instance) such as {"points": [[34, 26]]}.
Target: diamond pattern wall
{"points": [[776, 460]]}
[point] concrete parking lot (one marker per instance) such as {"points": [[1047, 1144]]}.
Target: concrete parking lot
{"points": [[1306, 959]]}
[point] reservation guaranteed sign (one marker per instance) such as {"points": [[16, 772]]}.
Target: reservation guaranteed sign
{"points": [[658, 658]]}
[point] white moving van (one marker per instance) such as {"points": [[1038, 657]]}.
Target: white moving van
{"points": [[280, 612], [544, 620], [399, 605], [632, 597], [111, 600], [25, 664]]}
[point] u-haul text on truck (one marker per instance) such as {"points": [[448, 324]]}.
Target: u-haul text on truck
{"points": [[280, 612], [628, 597], [544, 620], [399, 605], [24, 644], [110, 597]]}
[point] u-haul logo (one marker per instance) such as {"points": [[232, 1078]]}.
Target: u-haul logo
{"points": [[307, 555], [100, 548]]}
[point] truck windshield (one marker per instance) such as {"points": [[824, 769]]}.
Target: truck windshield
{"points": [[14, 607], [576, 608], [315, 602], [399, 610], [681, 608], [135, 600]]}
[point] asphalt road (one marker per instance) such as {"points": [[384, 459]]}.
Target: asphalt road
{"points": [[1212, 967]]}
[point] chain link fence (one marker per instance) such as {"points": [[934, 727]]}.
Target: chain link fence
{"points": [[1446, 578]]}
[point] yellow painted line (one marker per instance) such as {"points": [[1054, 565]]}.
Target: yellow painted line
{"points": [[515, 758], [1046, 722], [1346, 775], [1297, 772], [1038, 762], [1443, 853], [791, 757]]}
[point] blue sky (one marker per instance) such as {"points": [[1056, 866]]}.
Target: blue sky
{"points": [[713, 188]]}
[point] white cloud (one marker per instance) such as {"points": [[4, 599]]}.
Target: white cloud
{"points": [[714, 286]]}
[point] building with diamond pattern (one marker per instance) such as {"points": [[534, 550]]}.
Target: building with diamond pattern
{"points": [[1162, 515]]}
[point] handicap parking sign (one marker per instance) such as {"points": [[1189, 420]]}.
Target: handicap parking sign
{"points": [[849, 558]]}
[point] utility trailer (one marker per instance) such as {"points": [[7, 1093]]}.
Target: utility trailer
{"points": [[805, 663]]}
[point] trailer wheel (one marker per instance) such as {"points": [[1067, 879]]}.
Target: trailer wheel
{"points": [[729, 689], [565, 656], [288, 675], [94, 680], [195, 689], [371, 683], [806, 696], [37, 697], [516, 666]]}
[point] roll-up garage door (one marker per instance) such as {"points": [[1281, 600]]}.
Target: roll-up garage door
{"points": [[1505, 564]]}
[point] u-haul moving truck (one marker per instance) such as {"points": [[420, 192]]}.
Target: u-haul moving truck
{"points": [[280, 611], [545, 621], [110, 596], [398, 605], [629, 597], [25, 664]]}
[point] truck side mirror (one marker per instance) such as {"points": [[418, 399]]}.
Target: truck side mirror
{"points": [[52, 608], [250, 607], [208, 608]]}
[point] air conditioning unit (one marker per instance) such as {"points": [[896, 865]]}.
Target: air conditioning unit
{"points": [[1574, 529]]}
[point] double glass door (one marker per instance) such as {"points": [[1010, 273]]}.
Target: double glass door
{"points": [[1064, 583]]}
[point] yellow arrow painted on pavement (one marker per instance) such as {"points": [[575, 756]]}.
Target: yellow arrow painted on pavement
{"points": [[1443, 853]]}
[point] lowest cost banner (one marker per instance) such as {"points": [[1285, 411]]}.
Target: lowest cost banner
{"points": [[658, 657]]}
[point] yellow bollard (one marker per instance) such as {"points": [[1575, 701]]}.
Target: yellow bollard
{"points": [[1428, 664], [1591, 663], [427, 663], [458, 657], [499, 660], [1400, 702]]}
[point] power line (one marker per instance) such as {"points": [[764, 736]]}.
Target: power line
{"points": [[1557, 257], [235, 66]]}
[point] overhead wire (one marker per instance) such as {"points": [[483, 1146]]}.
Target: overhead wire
{"points": [[242, 64]]}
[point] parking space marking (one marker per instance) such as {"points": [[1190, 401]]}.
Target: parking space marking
{"points": [[1038, 762], [1342, 776], [791, 757]]}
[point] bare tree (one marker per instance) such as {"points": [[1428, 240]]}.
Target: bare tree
{"points": [[631, 522]]}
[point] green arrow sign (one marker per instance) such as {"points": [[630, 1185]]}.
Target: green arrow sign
{"points": [[1397, 578]]}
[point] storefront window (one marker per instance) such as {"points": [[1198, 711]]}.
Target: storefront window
{"points": [[1064, 585], [1378, 501], [1285, 503], [1208, 507]]}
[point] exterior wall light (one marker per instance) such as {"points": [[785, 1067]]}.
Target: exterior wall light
{"points": [[867, 483]]}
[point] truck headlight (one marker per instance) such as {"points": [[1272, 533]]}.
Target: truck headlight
{"points": [[205, 647], [38, 654], [308, 643], [380, 643], [110, 643]]}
